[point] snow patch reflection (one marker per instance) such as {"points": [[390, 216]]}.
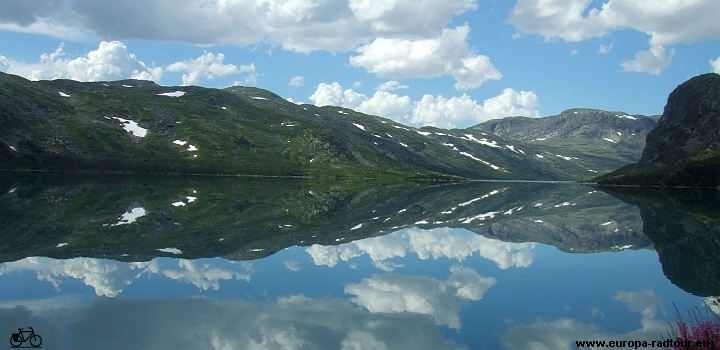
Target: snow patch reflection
{"points": [[130, 216]]}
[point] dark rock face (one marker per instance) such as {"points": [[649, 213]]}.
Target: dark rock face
{"points": [[684, 148], [690, 122]]}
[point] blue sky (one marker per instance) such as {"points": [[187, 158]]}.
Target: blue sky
{"points": [[449, 63]]}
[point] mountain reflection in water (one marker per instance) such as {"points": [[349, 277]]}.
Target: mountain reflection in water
{"points": [[291, 264]]}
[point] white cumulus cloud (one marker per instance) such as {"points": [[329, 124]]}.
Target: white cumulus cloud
{"points": [[714, 64], [666, 23], [328, 95], [449, 112], [653, 61], [557, 18], [382, 103], [297, 25], [447, 54], [111, 61], [207, 66], [429, 110]]}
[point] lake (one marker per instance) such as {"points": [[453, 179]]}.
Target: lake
{"points": [[119, 262]]}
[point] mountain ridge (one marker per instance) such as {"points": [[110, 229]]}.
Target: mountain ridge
{"points": [[591, 130], [141, 127]]}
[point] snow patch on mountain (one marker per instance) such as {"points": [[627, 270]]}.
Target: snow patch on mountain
{"points": [[131, 127], [482, 141], [480, 160], [173, 94]]}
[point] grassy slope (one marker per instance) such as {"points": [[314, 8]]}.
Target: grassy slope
{"points": [[241, 130]]}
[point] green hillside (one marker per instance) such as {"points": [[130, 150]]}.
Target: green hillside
{"points": [[140, 127]]}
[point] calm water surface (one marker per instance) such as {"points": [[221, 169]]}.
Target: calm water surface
{"points": [[128, 263]]}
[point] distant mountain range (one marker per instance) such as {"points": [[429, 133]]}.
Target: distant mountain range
{"points": [[613, 139], [140, 127]]}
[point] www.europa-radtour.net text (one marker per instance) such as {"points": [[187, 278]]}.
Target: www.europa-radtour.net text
{"points": [[644, 344]]}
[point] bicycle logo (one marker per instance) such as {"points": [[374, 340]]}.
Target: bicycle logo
{"points": [[22, 336]]}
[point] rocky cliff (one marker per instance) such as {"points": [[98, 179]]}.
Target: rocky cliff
{"points": [[684, 149], [689, 125]]}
